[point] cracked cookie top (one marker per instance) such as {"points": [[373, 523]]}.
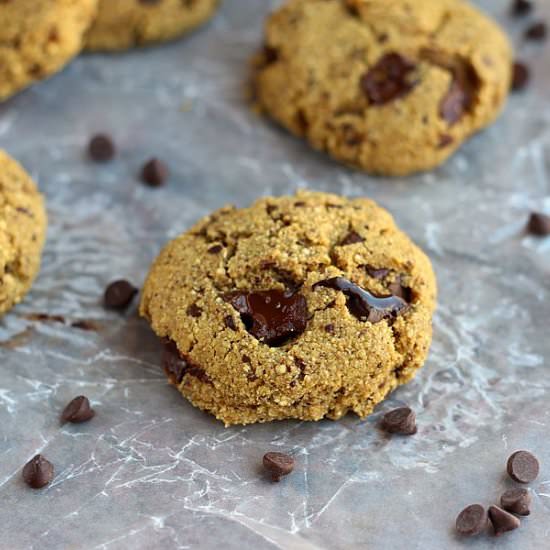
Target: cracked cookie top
{"points": [[289, 293], [391, 86], [22, 231]]}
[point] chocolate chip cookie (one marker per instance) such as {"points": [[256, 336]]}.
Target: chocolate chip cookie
{"points": [[22, 231], [389, 86], [38, 37], [305, 306], [123, 24]]}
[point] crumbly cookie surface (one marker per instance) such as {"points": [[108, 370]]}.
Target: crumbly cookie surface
{"points": [[38, 37], [22, 231], [259, 319], [123, 24], [390, 86]]}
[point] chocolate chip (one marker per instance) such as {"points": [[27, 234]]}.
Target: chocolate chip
{"points": [[362, 304], [471, 521], [502, 520], [84, 324], [119, 294], [77, 411], [154, 173], [329, 328], [101, 148], [375, 272], [230, 322], [537, 31], [444, 140], [38, 472], [388, 79], [215, 249], [194, 311], [523, 467], [278, 465], [454, 103], [539, 224], [177, 366], [517, 501], [521, 7], [351, 238], [173, 364], [271, 55], [520, 76], [400, 421], [271, 316]]}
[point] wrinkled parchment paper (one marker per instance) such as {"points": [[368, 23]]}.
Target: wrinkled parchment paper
{"points": [[150, 471]]}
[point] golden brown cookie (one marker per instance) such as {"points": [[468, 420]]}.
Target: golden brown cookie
{"points": [[38, 37], [390, 86], [304, 306], [123, 24], [22, 231]]}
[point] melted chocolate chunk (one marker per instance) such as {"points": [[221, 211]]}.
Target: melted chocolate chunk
{"points": [[271, 316], [460, 96], [375, 272], [364, 305], [388, 79], [351, 238], [176, 367], [397, 289]]}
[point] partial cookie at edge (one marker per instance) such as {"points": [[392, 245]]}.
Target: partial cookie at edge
{"points": [[22, 231]]}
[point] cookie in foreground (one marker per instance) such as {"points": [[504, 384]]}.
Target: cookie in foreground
{"points": [[390, 86], [38, 37], [22, 231], [305, 306], [123, 24]]}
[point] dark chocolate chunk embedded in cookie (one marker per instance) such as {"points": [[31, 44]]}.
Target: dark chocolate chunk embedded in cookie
{"points": [[364, 305], [271, 316], [389, 79]]}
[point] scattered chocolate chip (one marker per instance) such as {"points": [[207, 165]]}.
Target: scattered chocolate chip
{"points": [[376, 272], [523, 467], [362, 304], [539, 224], [520, 76], [502, 520], [537, 31], [230, 322], [400, 421], [517, 501], [351, 238], [101, 148], [38, 472], [388, 79], [77, 411], [119, 294], [521, 7], [271, 316], [278, 465], [154, 172], [194, 311], [215, 249], [471, 521]]}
